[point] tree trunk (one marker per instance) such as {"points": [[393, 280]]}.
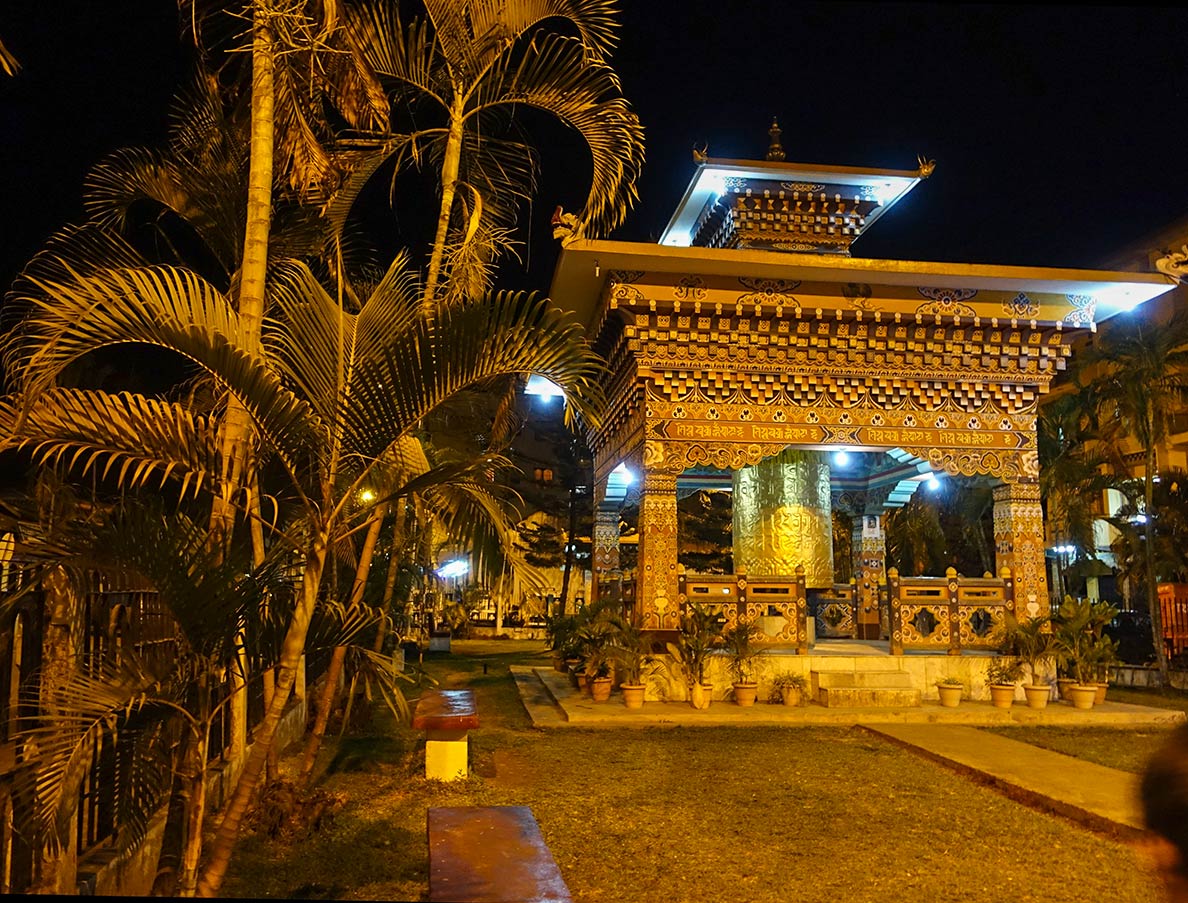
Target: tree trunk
{"points": [[570, 542], [292, 649], [330, 691], [449, 185], [1152, 577], [187, 877]]}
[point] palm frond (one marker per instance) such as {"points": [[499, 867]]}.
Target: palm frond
{"points": [[136, 440], [553, 75], [407, 376]]}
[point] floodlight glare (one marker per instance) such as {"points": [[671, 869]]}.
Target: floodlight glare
{"points": [[841, 458], [459, 567], [545, 388]]}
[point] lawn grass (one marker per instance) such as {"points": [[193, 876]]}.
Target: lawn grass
{"points": [[756, 814]]}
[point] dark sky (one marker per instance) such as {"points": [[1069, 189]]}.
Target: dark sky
{"points": [[1059, 132]]}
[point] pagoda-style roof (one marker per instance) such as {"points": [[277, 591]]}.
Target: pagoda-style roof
{"points": [[784, 206], [1072, 297]]}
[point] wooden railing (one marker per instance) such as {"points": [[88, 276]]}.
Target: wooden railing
{"points": [[949, 613], [836, 612], [778, 604]]}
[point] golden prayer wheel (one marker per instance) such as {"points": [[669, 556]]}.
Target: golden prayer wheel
{"points": [[782, 517]]}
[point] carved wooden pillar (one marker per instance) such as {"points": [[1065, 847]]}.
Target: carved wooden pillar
{"points": [[656, 597], [606, 547], [1019, 545], [868, 544]]}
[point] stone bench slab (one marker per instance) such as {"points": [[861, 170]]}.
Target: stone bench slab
{"points": [[491, 854]]}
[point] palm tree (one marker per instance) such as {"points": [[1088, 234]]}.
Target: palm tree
{"points": [[470, 65], [1142, 382], [329, 395], [156, 712]]}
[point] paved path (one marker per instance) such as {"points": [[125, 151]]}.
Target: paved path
{"points": [[1103, 798]]}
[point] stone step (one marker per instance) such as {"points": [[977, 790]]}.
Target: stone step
{"points": [[868, 697], [898, 680]]}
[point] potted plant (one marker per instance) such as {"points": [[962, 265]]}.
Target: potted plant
{"points": [[699, 634], [1002, 675], [741, 644], [1103, 654], [788, 689], [596, 637], [561, 633], [1075, 642], [1035, 643], [950, 690], [631, 649]]}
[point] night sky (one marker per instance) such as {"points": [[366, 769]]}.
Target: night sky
{"points": [[1060, 133]]}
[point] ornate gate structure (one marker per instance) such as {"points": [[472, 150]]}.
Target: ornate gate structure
{"points": [[749, 329]]}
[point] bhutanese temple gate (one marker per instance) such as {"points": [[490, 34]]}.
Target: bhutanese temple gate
{"points": [[748, 344]]}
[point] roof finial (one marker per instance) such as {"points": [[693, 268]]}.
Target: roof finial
{"points": [[775, 150]]}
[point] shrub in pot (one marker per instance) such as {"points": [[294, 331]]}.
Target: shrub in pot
{"points": [[631, 650], [700, 632], [1079, 625], [741, 643], [1002, 675], [950, 690], [1034, 642], [789, 689]]}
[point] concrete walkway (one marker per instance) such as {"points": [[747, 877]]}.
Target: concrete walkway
{"points": [[1102, 798]]}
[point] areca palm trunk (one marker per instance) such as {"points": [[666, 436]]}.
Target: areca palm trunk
{"points": [[195, 779], [292, 649], [326, 701], [1152, 577], [449, 186]]}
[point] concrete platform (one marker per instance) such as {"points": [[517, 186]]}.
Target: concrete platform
{"points": [[1101, 798], [560, 706]]}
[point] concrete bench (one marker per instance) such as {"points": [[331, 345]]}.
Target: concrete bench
{"points": [[491, 854], [446, 716]]}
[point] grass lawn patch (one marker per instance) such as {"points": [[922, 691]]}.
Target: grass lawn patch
{"points": [[755, 814]]}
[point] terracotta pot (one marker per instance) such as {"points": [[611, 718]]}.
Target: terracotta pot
{"points": [[1037, 696], [950, 697], [699, 695], [633, 695], [600, 689], [1062, 684], [744, 694], [1101, 694], [559, 664], [791, 695], [1082, 697], [1002, 695], [583, 682]]}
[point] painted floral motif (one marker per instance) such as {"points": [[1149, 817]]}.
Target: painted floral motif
{"points": [[744, 414], [946, 301], [690, 288], [679, 413], [909, 420], [942, 422], [779, 417], [712, 414], [1020, 307], [769, 291], [973, 424], [1084, 310]]}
